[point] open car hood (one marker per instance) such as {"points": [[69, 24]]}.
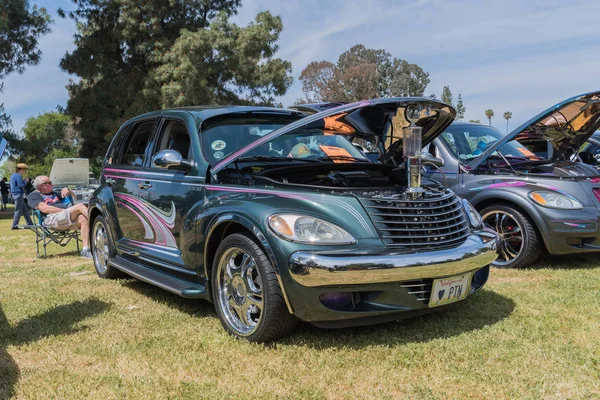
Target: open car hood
{"points": [[366, 120], [566, 126], [70, 171]]}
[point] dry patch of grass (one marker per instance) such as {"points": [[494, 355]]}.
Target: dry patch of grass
{"points": [[64, 333]]}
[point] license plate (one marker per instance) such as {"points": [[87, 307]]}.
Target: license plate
{"points": [[449, 290]]}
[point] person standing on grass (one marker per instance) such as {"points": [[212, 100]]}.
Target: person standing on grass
{"points": [[18, 194], [61, 213], [4, 187]]}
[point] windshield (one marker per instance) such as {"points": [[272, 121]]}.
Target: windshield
{"points": [[221, 136], [311, 144], [467, 142]]}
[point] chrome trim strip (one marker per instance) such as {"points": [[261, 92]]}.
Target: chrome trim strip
{"points": [[316, 269]]}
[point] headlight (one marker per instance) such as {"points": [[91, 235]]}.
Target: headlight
{"points": [[555, 200], [473, 214], [304, 229]]}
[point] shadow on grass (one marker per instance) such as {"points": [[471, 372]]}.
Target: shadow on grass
{"points": [[60, 320], [570, 261], [476, 312], [192, 307], [71, 253]]}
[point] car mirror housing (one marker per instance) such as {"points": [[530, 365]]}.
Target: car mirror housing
{"points": [[427, 157], [171, 159]]}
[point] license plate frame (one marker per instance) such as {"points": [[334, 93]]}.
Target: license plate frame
{"points": [[450, 289]]}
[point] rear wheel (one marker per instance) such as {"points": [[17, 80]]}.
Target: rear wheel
{"points": [[246, 292], [520, 243], [102, 250]]}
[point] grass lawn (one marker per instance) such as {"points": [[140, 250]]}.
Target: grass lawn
{"points": [[67, 334]]}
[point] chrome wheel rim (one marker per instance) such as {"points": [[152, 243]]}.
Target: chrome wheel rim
{"points": [[240, 291], [511, 233], [100, 247]]}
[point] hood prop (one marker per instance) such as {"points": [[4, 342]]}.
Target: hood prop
{"points": [[411, 148]]}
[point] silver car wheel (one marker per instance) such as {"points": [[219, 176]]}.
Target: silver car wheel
{"points": [[101, 251], [240, 291], [510, 231]]}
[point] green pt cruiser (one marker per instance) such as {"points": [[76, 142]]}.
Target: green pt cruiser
{"points": [[278, 216]]}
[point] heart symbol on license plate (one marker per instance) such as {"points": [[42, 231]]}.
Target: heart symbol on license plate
{"points": [[441, 294]]}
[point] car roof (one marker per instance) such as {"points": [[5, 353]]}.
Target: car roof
{"points": [[202, 113]]}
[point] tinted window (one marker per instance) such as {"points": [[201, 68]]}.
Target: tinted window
{"points": [[174, 136], [135, 146]]}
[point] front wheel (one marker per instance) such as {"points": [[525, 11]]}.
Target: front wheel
{"points": [[247, 295], [520, 242], [102, 250]]}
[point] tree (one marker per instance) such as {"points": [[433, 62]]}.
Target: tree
{"points": [[447, 96], [316, 78], [507, 116], [224, 64], [134, 56], [362, 73], [475, 121], [47, 136], [20, 28], [489, 113], [460, 108]]}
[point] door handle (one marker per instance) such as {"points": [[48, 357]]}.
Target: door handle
{"points": [[109, 181], [145, 185]]}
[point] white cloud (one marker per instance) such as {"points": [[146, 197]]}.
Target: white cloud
{"points": [[506, 55]]}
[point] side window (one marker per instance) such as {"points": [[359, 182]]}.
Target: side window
{"points": [[174, 136], [133, 151], [113, 150], [450, 142]]}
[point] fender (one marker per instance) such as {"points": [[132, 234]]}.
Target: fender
{"points": [[108, 216], [519, 200], [258, 235]]}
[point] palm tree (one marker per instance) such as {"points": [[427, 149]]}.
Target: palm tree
{"points": [[507, 116], [489, 113]]}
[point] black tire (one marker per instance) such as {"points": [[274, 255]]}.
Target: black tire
{"points": [[505, 220], [243, 312], [103, 250]]}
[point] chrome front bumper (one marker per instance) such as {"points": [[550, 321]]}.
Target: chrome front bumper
{"points": [[352, 267]]}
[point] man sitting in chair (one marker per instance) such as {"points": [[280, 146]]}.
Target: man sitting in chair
{"points": [[61, 213]]}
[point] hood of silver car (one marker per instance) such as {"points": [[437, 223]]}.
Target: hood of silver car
{"points": [[369, 119], [566, 126], [70, 171]]}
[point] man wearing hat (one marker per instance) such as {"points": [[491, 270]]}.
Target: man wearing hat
{"points": [[17, 190]]}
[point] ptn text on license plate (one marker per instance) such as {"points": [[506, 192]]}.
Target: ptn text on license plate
{"points": [[448, 290]]}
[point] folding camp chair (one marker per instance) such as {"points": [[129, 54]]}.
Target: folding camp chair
{"points": [[45, 236]]}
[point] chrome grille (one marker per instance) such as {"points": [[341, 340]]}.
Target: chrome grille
{"points": [[421, 289], [435, 221]]}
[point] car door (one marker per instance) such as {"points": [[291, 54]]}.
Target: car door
{"points": [[172, 195], [122, 174]]}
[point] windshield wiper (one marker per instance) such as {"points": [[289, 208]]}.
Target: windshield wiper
{"points": [[270, 158], [345, 158]]}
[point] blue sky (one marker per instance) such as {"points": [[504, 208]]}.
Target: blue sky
{"points": [[513, 55]]}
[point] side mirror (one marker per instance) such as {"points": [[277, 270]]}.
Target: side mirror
{"points": [[171, 159], [426, 157]]}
